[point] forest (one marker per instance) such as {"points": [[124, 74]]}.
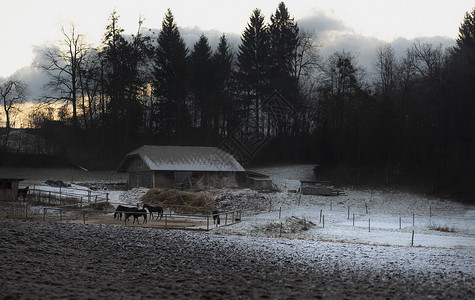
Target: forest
{"points": [[408, 121]]}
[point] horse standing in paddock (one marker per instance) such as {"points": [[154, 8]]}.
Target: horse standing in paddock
{"points": [[216, 219], [136, 213], [122, 209], [23, 193], [152, 209]]}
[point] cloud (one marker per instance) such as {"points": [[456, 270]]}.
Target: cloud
{"points": [[322, 24]]}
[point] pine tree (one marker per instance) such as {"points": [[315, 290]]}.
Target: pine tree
{"points": [[201, 81], [123, 62], [252, 67], [284, 41], [223, 60], [171, 80]]}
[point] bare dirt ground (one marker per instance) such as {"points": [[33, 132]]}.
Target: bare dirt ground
{"points": [[46, 260], [174, 222]]}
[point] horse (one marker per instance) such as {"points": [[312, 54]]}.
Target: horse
{"points": [[122, 209], [23, 193], [152, 209], [136, 213], [216, 219]]}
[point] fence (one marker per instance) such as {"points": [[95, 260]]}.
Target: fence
{"points": [[103, 213], [63, 196]]}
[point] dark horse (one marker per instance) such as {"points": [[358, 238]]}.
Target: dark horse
{"points": [[136, 213], [23, 193], [216, 219], [122, 209], [152, 209]]}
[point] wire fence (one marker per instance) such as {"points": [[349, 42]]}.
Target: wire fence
{"points": [[103, 212]]}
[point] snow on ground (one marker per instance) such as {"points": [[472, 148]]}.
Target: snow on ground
{"points": [[437, 222], [248, 260], [381, 217]]}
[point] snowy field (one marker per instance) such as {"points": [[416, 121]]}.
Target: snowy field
{"points": [[258, 257], [374, 217]]}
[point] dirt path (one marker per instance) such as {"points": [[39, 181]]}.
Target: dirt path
{"points": [[53, 260]]}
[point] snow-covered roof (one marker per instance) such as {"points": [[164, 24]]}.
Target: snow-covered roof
{"points": [[181, 158]]}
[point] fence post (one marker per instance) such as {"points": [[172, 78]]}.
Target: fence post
{"points": [[321, 216], [88, 196], [400, 223], [366, 207], [59, 194], [369, 225], [44, 214], [280, 212], [226, 219], [207, 222], [81, 202], [331, 204], [412, 239], [107, 197], [348, 212]]}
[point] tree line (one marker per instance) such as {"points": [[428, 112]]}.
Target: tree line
{"points": [[409, 117]]}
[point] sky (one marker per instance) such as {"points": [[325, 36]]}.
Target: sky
{"points": [[26, 25]]}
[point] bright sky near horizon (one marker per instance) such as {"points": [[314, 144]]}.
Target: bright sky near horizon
{"points": [[25, 24]]}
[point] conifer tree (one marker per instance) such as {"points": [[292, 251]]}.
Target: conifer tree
{"points": [[223, 61], [284, 41], [171, 80], [201, 80], [252, 67]]}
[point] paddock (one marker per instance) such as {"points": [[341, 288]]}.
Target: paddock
{"points": [[102, 213]]}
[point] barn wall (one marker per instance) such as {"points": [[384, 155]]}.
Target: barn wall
{"points": [[164, 179], [136, 164], [140, 179]]}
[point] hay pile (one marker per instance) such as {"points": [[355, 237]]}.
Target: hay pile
{"points": [[179, 201], [289, 225]]}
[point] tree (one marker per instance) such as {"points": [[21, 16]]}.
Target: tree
{"points": [[63, 66], [202, 81], [284, 41], [252, 62], [12, 92], [223, 70], [171, 80], [341, 105], [124, 64]]}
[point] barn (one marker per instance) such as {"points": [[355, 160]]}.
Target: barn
{"points": [[9, 188], [180, 167]]}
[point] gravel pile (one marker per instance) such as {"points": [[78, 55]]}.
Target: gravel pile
{"points": [[53, 260]]}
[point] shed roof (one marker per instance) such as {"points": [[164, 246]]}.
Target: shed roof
{"points": [[183, 158]]}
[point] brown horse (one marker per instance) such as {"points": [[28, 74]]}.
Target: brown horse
{"points": [[152, 209]]}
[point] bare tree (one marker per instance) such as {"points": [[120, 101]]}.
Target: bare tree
{"points": [[12, 92], [63, 65], [385, 68]]}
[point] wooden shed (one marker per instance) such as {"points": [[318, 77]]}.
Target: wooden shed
{"points": [[258, 181], [9, 188], [180, 167]]}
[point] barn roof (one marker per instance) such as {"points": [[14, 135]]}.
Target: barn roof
{"points": [[180, 158]]}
